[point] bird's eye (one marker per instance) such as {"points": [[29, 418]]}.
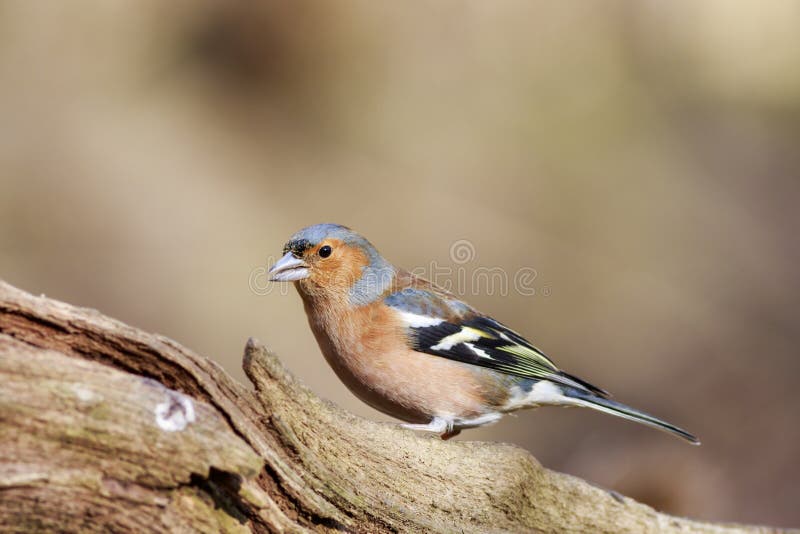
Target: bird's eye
{"points": [[325, 251]]}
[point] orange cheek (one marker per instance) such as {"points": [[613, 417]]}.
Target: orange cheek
{"points": [[341, 271]]}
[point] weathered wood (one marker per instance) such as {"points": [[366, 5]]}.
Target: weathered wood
{"points": [[105, 427]]}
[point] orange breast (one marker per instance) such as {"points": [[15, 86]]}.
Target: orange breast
{"points": [[367, 349]]}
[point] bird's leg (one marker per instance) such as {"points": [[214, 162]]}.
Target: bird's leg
{"points": [[438, 425]]}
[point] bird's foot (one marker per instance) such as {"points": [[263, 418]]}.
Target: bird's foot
{"points": [[451, 433]]}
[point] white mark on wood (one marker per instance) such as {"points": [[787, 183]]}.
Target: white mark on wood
{"points": [[83, 393], [175, 413]]}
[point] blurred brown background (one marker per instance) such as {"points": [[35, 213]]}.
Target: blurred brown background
{"points": [[641, 156]]}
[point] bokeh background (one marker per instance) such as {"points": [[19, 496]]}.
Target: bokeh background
{"points": [[642, 157]]}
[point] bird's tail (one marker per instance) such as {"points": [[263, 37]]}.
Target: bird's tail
{"points": [[590, 400]]}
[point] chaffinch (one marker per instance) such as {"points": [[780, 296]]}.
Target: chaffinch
{"points": [[416, 352]]}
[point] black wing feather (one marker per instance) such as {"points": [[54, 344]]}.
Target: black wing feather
{"points": [[485, 342]]}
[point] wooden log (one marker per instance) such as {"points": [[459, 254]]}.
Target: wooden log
{"points": [[104, 427]]}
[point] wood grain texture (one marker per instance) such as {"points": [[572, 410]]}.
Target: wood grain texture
{"points": [[96, 436]]}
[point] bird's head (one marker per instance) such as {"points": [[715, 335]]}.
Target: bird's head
{"points": [[333, 260]]}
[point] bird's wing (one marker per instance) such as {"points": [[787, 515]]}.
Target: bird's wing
{"points": [[438, 323]]}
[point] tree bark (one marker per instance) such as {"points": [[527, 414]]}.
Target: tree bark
{"points": [[104, 427]]}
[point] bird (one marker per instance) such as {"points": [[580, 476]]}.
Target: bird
{"points": [[417, 352]]}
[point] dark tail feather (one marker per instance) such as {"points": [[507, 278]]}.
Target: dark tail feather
{"points": [[609, 406], [585, 384]]}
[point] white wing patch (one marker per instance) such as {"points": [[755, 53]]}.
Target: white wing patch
{"points": [[504, 337], [480, 352], [462, 336], [414, 320]]}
